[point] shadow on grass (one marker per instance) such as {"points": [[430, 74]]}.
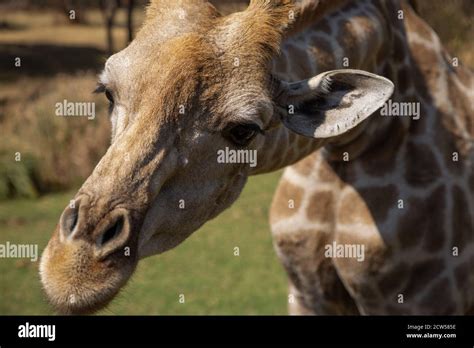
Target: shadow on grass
{"points": [[46, 60]]}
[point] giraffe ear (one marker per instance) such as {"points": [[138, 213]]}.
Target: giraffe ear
{"points": [[332, 103]]}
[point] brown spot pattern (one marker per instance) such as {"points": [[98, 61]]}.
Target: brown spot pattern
{"points": [[391, 281], [280, 207], [312, 273], [418, 127], [463, 228], [354, 210], [403, 81], [380, 200], [446, 144], [322, 50], [379, 159], [422, 274], [439, 300], [305, 166], [321, 207], [326, 173], [421, 166], [424, 218], [399, 48]]}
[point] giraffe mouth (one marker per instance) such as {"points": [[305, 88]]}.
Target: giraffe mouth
{"points": [[84, 266], [76, 282]]}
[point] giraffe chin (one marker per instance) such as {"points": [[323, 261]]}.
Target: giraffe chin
{"points": [[77, 283]]}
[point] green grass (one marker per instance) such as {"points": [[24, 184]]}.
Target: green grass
{"points": [[203, 268]]}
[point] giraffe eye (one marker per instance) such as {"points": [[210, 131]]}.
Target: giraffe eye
{"points": [[102, 88], [109, 96], [241, 134]]}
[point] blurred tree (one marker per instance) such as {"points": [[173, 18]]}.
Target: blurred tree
{"points": [[130, 6], [109, 10]]}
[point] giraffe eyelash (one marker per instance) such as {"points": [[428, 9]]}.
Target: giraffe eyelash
{"points": [[100, 88]]}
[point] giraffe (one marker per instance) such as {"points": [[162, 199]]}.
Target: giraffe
{"points": [[192, 83], [404, 192]]}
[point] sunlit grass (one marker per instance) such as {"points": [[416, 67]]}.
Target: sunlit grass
{"points": [[203, 269]]}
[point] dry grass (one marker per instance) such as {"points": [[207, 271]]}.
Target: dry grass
{"points": [[56, 152], [59, 61], [48, 27]]}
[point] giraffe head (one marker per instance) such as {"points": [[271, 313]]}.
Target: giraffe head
{"points": [[192, 83]]}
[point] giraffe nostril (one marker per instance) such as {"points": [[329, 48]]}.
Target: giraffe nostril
{"points": [[72, 220], [112, 232], [114, 235], [69, 220]]}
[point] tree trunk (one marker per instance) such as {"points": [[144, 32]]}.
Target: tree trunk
{"points": [[131, 4], [109, 9]]}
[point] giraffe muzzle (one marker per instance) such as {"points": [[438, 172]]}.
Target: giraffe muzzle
{"points": [[90, 256], [109, 234]]}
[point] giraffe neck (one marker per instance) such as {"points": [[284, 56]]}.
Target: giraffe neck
{"points": [[357, 36]]}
